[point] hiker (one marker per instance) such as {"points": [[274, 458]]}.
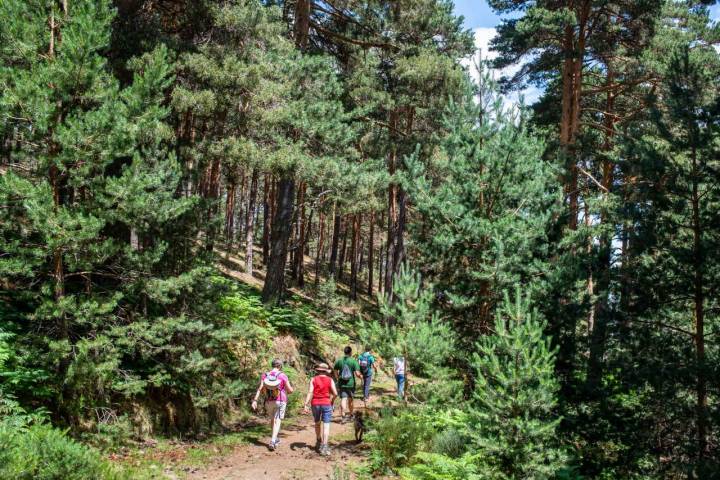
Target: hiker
{"points": [[321, 396], [346, 368], [367, 364], [400, 369], [276, 387]]}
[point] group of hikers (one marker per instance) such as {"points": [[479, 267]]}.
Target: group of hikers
{"points": [[327, 384]]}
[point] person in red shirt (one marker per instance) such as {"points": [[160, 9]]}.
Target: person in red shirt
{"points": [[321, 395]]}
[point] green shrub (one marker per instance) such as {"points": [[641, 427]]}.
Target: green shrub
{"points": [[244, 305], [296, 321], [40, 452], [450, 442], [396, 437], [416, 331], [434, 466], [110, 433], [329, 302]]}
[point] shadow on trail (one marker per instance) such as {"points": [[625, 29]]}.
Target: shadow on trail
{"points": [[301, 445]]}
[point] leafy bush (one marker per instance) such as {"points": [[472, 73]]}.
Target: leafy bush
{"points": [[243, 303], [433, 466], [329, 302], [412, 328], [37, 451], [296, 321], [450, 442], [396, 437]]}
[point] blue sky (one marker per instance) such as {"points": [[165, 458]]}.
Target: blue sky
{"points": [[482, 20], [478, 13]]}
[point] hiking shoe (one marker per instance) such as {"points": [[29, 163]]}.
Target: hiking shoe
{"points": [[273, 444], [325, 450]]}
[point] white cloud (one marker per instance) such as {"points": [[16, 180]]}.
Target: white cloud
{"points": [[483, 36]]}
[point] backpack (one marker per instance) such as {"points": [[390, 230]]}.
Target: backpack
{"points": [[345, 373], [271, 385], [364, 361]]}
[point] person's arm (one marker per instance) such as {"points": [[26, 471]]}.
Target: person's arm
{"points": [[257, 395], [334, 391], [288, 387], [358, 373], [308, 398]]}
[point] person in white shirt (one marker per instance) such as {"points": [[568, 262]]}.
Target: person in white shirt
{"points": [[400, 367]]}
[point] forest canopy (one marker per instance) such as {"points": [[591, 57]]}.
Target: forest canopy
{"points": [[551, 270]]}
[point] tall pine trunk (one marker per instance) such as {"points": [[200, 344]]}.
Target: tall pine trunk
{"points": [[250, 223], [335, 240], [699, 313], [231, 193], [343, 249], [273, 290], [355, 253], [267, 216], [574, 52], [320, 247], [396, 208], [300, 250], [371, 245]]}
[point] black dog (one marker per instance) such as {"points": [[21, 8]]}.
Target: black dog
{"points": [[359, 426]]}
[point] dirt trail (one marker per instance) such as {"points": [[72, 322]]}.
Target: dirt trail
{"points": [[295, 457]]}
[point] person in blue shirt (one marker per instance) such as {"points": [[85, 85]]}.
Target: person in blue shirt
{"points": [[368, 364]]}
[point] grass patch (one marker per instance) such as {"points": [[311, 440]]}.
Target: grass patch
{"points": [[155, 460]]}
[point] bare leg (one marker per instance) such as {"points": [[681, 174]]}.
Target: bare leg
{"points": [[350, 403], [325, 433], [318, 432], [343, 407]]}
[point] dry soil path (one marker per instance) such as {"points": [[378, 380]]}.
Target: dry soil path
{"points": [[295, 457]]}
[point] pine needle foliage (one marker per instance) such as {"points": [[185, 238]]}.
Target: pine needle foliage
{"points": [[484, 201], [515, 396]]}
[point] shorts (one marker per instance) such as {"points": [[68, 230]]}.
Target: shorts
{"points": [[275, 409], [346, 392], [322, 412]]}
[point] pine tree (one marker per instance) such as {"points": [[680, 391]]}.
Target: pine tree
{"points": [[514, 421], [566, 36], [484, 203], [677, 156], [98, 258], [413, 329]]}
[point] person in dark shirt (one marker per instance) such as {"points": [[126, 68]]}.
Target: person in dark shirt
{"points": [[346, 369]]}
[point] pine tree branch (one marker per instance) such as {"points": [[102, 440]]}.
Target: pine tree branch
{"points": [[587, 174], [384, 125], [353, 41]]}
